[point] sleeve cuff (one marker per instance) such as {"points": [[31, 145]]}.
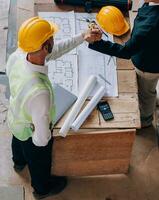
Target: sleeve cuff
{"points": [[38, 142]]}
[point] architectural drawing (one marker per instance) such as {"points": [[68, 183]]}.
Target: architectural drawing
{"points": [[90, 66], [64, 71]]}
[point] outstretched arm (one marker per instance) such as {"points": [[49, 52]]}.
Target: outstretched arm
{"points": [[64, 46]]}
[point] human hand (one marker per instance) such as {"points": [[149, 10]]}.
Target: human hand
{"points": [[93, 34]]}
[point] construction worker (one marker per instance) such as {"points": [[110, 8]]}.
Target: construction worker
{"points": [[32, 112], [142, 48]]}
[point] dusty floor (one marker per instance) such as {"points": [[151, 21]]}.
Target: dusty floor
{"points": [[141, 183]]}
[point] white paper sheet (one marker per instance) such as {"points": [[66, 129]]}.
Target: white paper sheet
{"points": [[92, 62], [88, 109], [111, 77], [64, 71], [90, 65]]}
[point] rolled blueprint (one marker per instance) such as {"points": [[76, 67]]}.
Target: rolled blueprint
{"points": [[90, 84], [88, 109]]}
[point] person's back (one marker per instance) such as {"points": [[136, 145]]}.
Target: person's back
{"points": [[143, 45], [145, 35], [24, 84]]}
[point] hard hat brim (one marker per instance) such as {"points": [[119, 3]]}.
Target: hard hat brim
{"points": [[124, 30], [54, 28]]}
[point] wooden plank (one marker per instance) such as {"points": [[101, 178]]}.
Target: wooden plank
{"points": [[122, 120], [93, 153], [126, 114], [124, 64], [127, 81], [43, 2], [90, 168]]}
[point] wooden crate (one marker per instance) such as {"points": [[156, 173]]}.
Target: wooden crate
{"points": [[93, 153]]}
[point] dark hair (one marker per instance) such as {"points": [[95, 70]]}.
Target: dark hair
{"points": [[47, 45]]}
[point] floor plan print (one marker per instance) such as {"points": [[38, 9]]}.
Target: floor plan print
{"points": [[64, 71], [74, 68]]}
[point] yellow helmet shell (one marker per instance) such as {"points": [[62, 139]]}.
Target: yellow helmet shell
{"points": [[34, 32], [111, 20]]}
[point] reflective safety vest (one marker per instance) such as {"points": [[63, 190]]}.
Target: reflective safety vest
{"points": [[24, 83]]}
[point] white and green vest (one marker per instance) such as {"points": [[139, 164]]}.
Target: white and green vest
{"points": [[23, 84]]}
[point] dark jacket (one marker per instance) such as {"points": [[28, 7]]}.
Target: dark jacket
{"points": [[143, 45]]}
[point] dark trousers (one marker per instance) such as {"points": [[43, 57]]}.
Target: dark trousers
{"points": [[38, 160]]}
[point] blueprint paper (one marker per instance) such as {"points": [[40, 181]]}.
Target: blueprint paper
{"points": [[64, 71], [111, 76], [83, 61], [93, 63], [88, 65]]}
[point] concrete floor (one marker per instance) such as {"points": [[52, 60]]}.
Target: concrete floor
{"points": [[141, 183]]}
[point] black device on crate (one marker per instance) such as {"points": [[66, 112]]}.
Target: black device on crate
{"points": [[105, 110], [89, 4]]}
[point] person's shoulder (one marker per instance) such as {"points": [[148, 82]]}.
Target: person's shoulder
{"points": [[149, 14], [147, 20], [16, 54]]}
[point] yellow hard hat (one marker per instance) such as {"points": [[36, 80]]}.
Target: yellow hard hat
{"points": [[111, 20], [34, 32]]}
